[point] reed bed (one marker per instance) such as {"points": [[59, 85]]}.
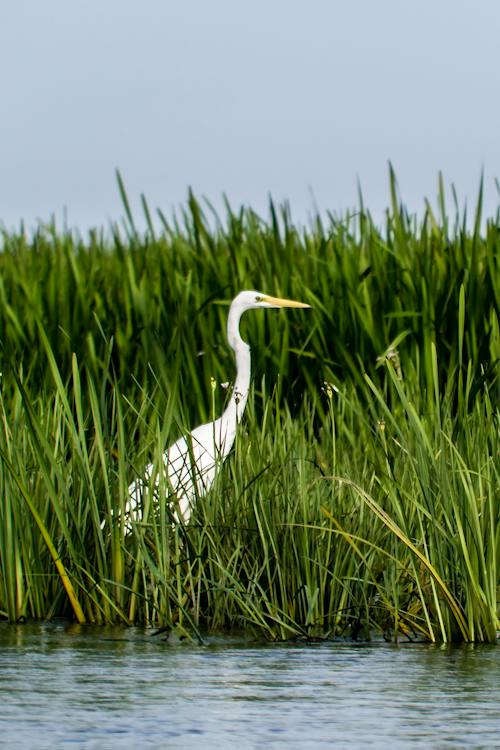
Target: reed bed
{"points": [[363, 493]]}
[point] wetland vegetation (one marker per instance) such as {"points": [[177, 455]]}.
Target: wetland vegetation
{"points": [[363, 492]]}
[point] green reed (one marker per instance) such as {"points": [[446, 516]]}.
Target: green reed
{"points": [[363, 491]]}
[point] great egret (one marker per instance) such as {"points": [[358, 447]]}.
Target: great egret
{"points": [[191, 463]]}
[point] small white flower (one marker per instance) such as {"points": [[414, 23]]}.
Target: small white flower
{"points": [[392, 356], [329, 388]]}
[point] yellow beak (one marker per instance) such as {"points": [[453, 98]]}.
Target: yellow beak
{"points": [[279, 302]]}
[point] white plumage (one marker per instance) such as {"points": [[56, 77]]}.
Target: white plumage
{"points": [[192, 462]]}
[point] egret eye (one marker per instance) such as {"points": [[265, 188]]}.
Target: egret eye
{"points": [[258, 298]]}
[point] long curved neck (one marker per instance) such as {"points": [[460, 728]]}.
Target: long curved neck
{"points": [[241, 350]]}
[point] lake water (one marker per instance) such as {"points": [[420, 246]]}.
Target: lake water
{"points": [[105, 688]]}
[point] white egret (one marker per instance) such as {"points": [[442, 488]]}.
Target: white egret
{"points": [[191, 463]]}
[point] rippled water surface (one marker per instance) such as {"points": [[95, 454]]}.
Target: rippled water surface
{"points": [[79, 687]]}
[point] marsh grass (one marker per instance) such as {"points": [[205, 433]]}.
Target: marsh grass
{"points": [[363, 492]]}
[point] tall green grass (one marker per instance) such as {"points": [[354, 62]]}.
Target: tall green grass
{"points": [[364, 489]]}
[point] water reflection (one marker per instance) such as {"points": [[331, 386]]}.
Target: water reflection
{"points": [[112, 688]]}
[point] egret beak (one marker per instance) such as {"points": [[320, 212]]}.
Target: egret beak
{"points": [[278, 302]]}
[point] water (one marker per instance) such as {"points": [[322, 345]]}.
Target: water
{"points": [[78, 687]]}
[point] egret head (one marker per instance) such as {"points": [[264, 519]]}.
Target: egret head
{"points": [[251, 300]]}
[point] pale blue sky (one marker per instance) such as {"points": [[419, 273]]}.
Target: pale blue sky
{"points": [[274, 96]]}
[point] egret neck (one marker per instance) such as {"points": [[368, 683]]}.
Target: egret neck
{"points": [[239, 396]]}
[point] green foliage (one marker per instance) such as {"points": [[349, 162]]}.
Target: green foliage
{"points": [[364, 489]]}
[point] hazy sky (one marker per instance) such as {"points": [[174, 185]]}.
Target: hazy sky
{"points": [[296, 99]]}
